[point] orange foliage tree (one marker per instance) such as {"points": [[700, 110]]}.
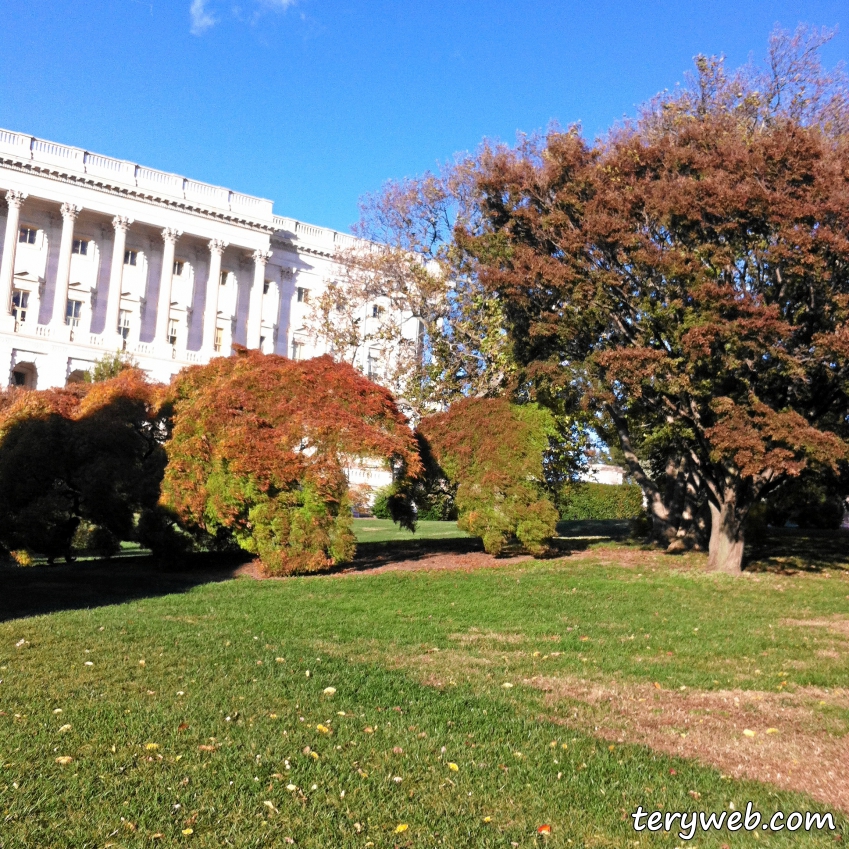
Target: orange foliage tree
{"points": [[494, 452], [87, 454], [259, 449]]}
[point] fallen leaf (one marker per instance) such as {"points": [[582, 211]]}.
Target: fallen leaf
{"points": [[65, 728], [329, 691], [205, 748], [64, 760], [772, 731], [507, 685], [748, 732], [544, 829], [401, 828], [151, 747], [323, 729], [487, 819], [453, 767], [187, 831]]}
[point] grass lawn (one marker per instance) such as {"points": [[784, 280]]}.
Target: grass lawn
{"points": [[204, 718], [385, 530]]}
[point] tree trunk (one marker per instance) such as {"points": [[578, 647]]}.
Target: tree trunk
{"points": [[726, 537]]}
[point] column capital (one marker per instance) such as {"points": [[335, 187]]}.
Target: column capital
{"points": [[70, 211], [216, 246], [15, 199], [169, 234], [122, 223], [261, 257]]}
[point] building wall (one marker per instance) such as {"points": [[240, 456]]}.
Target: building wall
{"points": [[58, 191]]}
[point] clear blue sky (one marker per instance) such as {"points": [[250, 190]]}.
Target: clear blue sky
{"points": [[314, 102]]}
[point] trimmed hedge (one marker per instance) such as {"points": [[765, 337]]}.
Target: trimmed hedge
{"points": [[600, 501]]}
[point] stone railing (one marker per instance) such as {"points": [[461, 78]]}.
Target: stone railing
{"points": [[321, 238], [143, 182]]}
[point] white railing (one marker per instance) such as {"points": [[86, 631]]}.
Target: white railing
{"points": [[125, 174]]}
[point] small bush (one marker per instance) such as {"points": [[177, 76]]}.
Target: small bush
{"points": [[380, 507], [600, 501]]}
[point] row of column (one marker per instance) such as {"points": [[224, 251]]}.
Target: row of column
{"points": [[121, 225]]}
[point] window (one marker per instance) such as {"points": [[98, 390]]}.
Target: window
{"points": [[376, 311], [73, 310], [178, 267], [262, 343], [26, 236], [219, 339], [19, 378], [298, 350], [20, 302], [303, 295], [224, 276], [266, 285], [131, 257], [173, 326], [124, 324], [80, 247]]}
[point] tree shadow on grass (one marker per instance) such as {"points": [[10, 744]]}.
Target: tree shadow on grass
{"points": [[37, 590], [789, 550]]}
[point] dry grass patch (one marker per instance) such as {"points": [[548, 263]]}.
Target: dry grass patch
{"points": [[796, 741]]}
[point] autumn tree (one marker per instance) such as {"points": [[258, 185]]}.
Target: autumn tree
{"points": [[404, 292], [493, 454], [88, 454], [259, 451], [689, 275]]}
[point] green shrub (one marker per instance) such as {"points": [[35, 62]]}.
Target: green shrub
{"points": [[380, 507], [600, 501]]}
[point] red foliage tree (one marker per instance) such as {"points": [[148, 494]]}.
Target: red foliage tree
{"points": [[690, 275], [259, 449]]}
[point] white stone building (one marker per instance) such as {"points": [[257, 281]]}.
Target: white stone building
{"points": [[101, 255]]}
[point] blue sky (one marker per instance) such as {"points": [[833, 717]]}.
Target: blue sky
{"points": [[314, 102]]}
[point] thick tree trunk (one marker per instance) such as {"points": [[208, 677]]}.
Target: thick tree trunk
{"points": [[726, 537]]}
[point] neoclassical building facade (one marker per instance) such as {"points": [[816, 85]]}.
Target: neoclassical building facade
{"points": [[101, 255]]}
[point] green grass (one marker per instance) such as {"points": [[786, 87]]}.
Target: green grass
{"points": [[211, 678], [385, 530]]}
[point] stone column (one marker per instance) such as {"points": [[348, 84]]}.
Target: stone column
{"points": [[116, 276], [63, 271], [10, 245], [213, 283], [254, 329], [163, 307]]}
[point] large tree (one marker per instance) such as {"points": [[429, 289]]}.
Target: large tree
{"points": [[689, 273]]}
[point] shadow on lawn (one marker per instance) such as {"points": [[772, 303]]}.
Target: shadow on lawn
{"points": [[35, 590], [789, 550]]}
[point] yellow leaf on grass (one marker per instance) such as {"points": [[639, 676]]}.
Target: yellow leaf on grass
{"points": [[323, 729], [748, 732], [188, 831], [151, 747], [453, 767], [487, 819], [401, 828], [772, 731], [64, 760]]}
